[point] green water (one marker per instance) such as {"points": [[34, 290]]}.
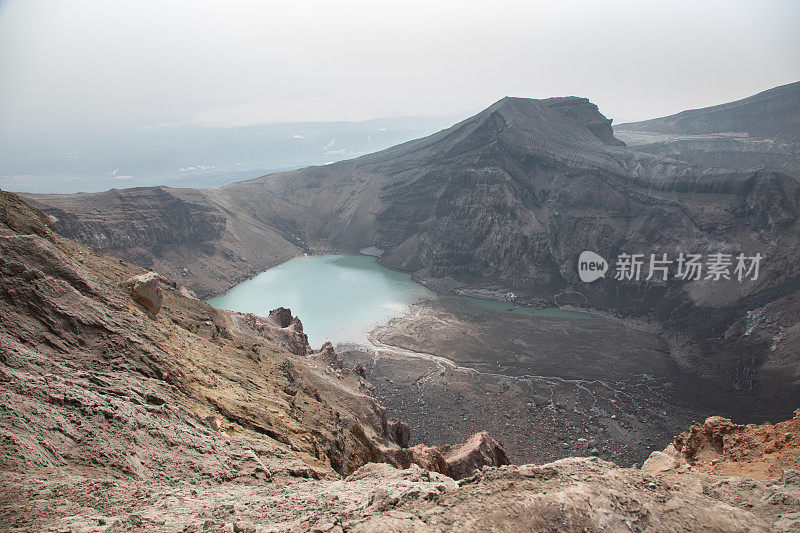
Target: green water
{"points": [[341, 297], [510, 307]]}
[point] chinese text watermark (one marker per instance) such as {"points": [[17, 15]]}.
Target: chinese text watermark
{"points": [[686, 266]]}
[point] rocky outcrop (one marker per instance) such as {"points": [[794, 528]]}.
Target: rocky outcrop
{"points": [[327, 354], [456, 461], [480, 450], [427, 457], [144, 289], [279, 326], [400, 433], [719, 446], [660, 462]]}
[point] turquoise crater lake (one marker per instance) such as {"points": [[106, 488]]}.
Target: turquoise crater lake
{"points": [[338, 297]]}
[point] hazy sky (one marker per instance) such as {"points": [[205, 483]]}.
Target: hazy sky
{"points": [[82, 66]]}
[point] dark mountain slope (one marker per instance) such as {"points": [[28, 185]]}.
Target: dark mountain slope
{"points": [[768, 114], [760, 131]]}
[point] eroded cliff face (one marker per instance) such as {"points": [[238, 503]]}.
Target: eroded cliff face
{"points": [[177, 232]]}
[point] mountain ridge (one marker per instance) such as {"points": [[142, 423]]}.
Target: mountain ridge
{"points": [[761, 131], [781, 99]]}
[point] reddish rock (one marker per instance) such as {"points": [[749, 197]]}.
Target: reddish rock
{"points": [[480, 450], [456, 461], [708, 435], [719, 446], [428, 457]]}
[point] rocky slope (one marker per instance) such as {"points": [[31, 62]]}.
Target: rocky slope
{"points": [[174, 231], [756, 132], [110, 372], [510, 198], [129, 405]]}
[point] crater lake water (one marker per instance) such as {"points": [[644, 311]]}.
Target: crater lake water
{"points": [[341, 297], [337, 297]]}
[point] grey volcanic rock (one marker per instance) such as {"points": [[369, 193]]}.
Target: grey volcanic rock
{"points": [[756, 132], [144, 289], [176, 232], [774, 113]]}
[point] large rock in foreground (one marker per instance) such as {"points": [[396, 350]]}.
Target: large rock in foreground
{"points": [[480, 450], [456, 461], [144, 290]]}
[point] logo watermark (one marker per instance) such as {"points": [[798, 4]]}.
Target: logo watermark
{"points": [[591, 266], [685, 267]]}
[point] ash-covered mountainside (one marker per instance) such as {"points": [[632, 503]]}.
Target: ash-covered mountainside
{"points": [[756, 132], [511, 197], [772, 113]]}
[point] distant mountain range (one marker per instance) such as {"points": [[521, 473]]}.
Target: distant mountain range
{"points": [[509, 198], [194, 156]]}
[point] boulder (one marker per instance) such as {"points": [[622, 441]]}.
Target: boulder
{"points": [[144, 290], [659, 462], [428, 457], [457, 461], [186, 292], [480, 450]]}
